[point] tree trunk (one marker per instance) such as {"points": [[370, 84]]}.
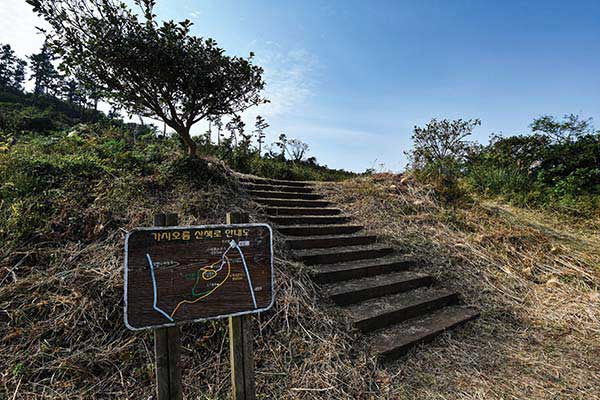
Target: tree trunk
{"points": [[192, 149], [184, 134]]}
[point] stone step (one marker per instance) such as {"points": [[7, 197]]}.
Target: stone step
{"points": [[309, 219], [314, 230], [389, 310], [285, 195], [392, 343], [320, 242], [268, 181], [273, 211], [341, 254], [360, 269], [277, 188], [358, 290], [269, 201]]}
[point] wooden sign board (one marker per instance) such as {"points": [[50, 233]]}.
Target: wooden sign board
{"points": [[193, 273]]}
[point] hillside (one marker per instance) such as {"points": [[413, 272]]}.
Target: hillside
{"points": [[533, 275], [68, 199]]}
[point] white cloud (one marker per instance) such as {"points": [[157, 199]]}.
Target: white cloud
{"points": [[18, 27], [314, 131], [291, 78]]}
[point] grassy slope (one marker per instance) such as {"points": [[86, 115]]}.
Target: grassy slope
{"points": [[534, 276], [66, 202]]}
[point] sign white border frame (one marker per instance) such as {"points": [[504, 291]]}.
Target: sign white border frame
{"points": [[172, 228]]}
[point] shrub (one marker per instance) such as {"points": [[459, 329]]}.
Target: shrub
{"points": [[538, 170], [440, 150]]}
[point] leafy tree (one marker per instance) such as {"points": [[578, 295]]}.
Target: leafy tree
{"points": [[70, 91], [156, 70], [43, 73], [259, 129], [281, 143], [296, 149], [236, 127], [218, 123], [439, 152], [12, 69], [569, 129], [443, 142]]}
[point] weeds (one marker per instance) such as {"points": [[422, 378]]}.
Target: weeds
{"points": [[533, 275]]}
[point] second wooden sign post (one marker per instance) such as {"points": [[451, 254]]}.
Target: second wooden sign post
{"points": [[241, 338]]}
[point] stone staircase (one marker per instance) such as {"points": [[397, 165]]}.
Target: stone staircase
{"points": [[384, 292]]}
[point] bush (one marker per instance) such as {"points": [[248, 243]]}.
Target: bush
{"points": [[21, 112], [95, 167], [439, 153], [537, 171]]}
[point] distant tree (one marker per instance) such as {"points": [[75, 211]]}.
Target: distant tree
{"points": [[70, 91], [259, 130], [281, 143], [43, 73], [12, 69], [236, 128], [296, 149], [570, 128], [157, 70], [218, 123]]}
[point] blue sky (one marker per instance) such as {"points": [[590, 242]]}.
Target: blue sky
{"points": [[351, 78]]}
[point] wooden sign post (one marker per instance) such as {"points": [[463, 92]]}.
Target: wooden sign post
{"points": [[241, 336], [176, 274], [167, 348]]}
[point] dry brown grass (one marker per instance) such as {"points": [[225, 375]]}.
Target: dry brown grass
{"points": [[533, 276], [62, 335]]}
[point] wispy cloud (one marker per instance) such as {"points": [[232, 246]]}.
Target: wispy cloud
{"points": [[290, 76], [319, 131]]}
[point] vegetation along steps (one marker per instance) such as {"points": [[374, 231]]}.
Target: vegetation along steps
{"points": [[383, 291]]}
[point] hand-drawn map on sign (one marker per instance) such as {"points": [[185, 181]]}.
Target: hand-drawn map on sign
{"points": [[179, 274]]}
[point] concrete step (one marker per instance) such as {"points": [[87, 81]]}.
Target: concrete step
{"points": [[269, 201], [341, 254], [309, 219], [285, 195], [267, 181], [392, 343], [360, 269], [389, 310], [273, 211], [320, 242], [362, 289], [278, 188], [314, 230]]}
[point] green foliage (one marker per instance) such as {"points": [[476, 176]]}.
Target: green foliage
{"points": [[150, 69], [97, 167], [276, 168], [259, 130], [12, 69], [560, 171], [43, 73], [440, 150], [569, 129], [20, 112]]}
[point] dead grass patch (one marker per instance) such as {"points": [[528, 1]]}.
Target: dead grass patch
{"points": [[533, 276], [62, 334]]}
